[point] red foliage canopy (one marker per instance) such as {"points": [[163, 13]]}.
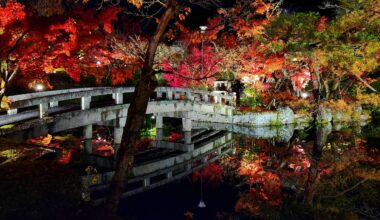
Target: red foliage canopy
{"points": [[78, 44]]}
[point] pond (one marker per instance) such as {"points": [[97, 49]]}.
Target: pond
{"points": [[330, 172], [336, 177]]}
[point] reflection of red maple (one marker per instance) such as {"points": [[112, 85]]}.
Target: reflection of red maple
{"points": [[212, 174], [175, 136]]}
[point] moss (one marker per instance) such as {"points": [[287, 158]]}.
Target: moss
{"points": [[9, 126], [275, 123], [321, 122]]}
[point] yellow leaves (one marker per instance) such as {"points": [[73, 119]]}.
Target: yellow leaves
{"points": [[372, 99], [2, 84], [136, 3], [4, 104], [46, 140], [372, 48]]}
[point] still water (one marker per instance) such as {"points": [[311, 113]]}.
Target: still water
{"points": [[317, 174], [330, 172]]}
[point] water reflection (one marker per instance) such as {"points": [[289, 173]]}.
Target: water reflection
{"points": [[332, 175], [287, 172]]}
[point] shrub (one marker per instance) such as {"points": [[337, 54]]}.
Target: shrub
{"points": [[339, 105], [300, 104], [371, 99]]}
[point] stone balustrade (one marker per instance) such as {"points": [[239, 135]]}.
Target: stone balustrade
{"points": [[49, 102]]}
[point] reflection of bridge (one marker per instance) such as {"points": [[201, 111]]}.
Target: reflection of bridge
{"points": [[164, 163]]}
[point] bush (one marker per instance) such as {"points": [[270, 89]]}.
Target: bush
{"points": [[339, 106], [371, 99], [300, 105], [38, 190]]}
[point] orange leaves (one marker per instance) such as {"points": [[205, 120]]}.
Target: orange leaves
{"points": [[263, 8], [247, 29], [274, 63], [136, 3], [181, 17]]}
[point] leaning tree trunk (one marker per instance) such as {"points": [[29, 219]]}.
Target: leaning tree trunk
{"points": [[321, 133], [135, 118]]}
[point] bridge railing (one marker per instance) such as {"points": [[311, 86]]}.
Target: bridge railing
{"points": [[48, 101]]}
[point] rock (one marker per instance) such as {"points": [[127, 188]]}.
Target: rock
{"points": [[325, 115], [286, 115]]}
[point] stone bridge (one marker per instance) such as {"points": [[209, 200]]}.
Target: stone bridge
{"points": [[65, 109], [54, 111]]}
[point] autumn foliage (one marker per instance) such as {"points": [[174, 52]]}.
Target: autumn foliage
{"points": [[189, 72], [81, 44]]}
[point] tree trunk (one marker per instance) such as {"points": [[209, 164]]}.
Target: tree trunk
{"points": [[135, 118], [321, 134]]}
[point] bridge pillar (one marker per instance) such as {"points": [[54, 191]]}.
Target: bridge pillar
{"points": [[170, 95], [219, 151], [187, 137], [217, 99], [169, 174], [159, 95], [189, 147], [118, 133], [146, 182], [159, 121], [87, 139], [205, 97], [85, 102], [186, 124], [159, 134], [42, 109], [189, 96], [118, 97], [204, 159], [189, 166]]}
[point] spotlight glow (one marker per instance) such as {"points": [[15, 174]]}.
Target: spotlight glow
{"points": [[39, 87], [304, 95]]}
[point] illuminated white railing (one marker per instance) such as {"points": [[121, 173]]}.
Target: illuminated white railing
{"points": [[49, 102]]}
